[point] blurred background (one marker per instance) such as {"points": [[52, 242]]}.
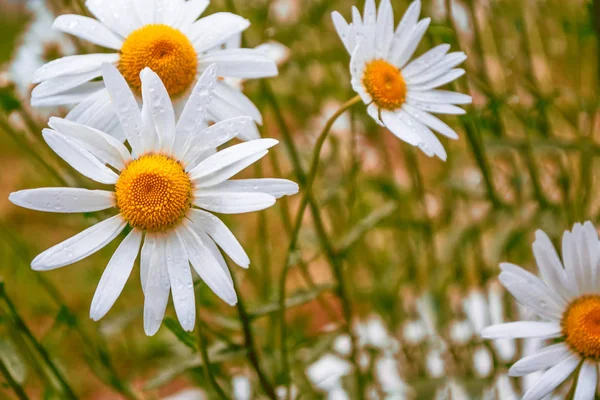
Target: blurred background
{"points": [[414, 242]]}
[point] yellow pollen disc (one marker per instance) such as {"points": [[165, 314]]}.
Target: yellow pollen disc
{"points": [[163, 49], [153, 193], [581, 326], [385, 84]]}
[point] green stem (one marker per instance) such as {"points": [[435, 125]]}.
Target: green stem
{"points": [[19, 391], [210, 376]]}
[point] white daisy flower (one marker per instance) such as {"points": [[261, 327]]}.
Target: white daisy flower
{"points": [[567, 299], [163, 35], [164, 190], [401, 95]]}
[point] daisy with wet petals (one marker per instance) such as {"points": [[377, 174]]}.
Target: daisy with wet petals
{"points": [[165, 189], [401, 94], [163, 35], [567, 300]]}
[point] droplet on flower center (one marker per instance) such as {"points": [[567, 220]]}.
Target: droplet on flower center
{"points": [[164, 50], [153, 193], [385, 83], [581, 326]]}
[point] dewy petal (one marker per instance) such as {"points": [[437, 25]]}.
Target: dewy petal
{"points": [[220, 233], [157, 289], [542, 359], [402, 58], [399, 128], [534, 295], [384, 31], [73, 65], [215, 169], [207, 266], [105, 147], [193, 116], [88, 29], [78, 157], [215, 136], [182, 286], [342, 28], [145, 10], [214, 250], [440, 68], [160, 109], [587, 381], [534, 280], [71, 96], [229, 102], [215, 29], [232, 203], [192, 11], [80, 246], [431, 121], [118, 15], [115, 275], [440, 96], [523, 329], [97, 111], [549, 264], [273, 186], [430, 144], [436, 108], [570, 260], [63, 200], [425, 60], [125, 106], [438, 81], [169, 12], [146, 258], [55, 86], [552, 378], [242, 63]]}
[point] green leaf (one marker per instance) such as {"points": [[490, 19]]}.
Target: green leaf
{"points": [[184, 337], [297, 299]]}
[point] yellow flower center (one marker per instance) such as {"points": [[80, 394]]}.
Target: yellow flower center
{"points": [[581, 326], [164, 50], [153, 193], [385, 83]]}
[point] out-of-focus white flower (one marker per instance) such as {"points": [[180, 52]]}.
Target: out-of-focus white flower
{"points": [[285, 11], [483, 363], [373, 333], [241, 388], [476, 309], [460, 332], [187, 394], [281, 392], [426, 310], [388, 376], [452, 390], [567, 299], [502, 389], [276, 51], [505, 348], [435, 364], [414, 332], [337, 393], [343, 345], [164, 188], [327, 371], [399, 94]]}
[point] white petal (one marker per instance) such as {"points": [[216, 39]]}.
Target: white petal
{"points": [[431, 121], [115, 275], [215, 29], [214, 250], [160, 108], [105, 147], [63, 200], [192, 11], [542, 359], [436, 108], [194, 114], [71, 96], [145, 10], [145, 259], [430, 144], [61, 84], [440, 96], [534, 295], [97, 111], [73, 65], [207, 266], [342, 28], [571, 262], [125, 106], [169, 12], [241, 63], [157, 289], [440, 68], [118, 15], [398, 128], [401, 58], [523, 329], [552, 378], [275, 187], [534, 280], [232, 203], [88, 29], [409, 19], [220, 233], [549, 264], [425, 60], [215, 169], [438, 81], [384, 31], [587, 381], [229, 102], [80, 246], [215, 136], [78, 157], [182, 286]]}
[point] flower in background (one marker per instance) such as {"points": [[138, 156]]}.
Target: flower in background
{"points": [[162, 189], [401, 95], [163, 36], [567, 298]]}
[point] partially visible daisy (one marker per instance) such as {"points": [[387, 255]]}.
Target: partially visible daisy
{"points": [[567, 299], [164, 190], [401, 95], [163, 35]]}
